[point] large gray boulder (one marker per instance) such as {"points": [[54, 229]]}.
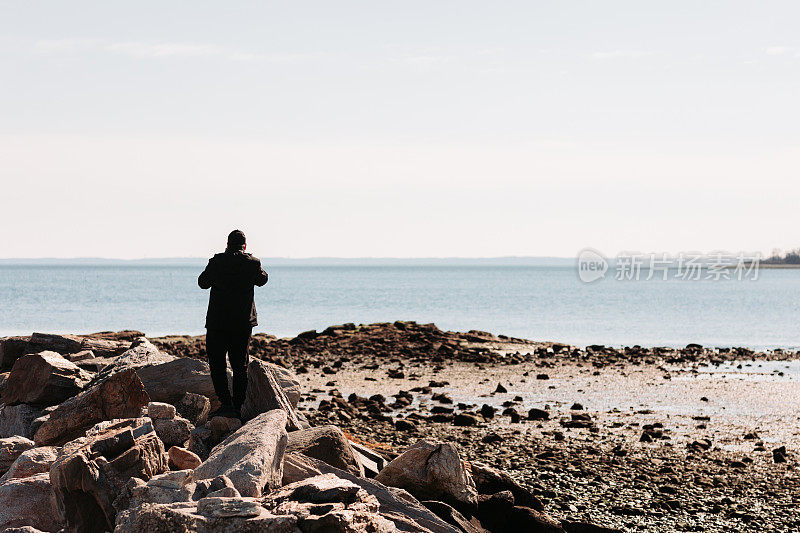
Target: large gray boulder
{"points": [[347, 507], [328, 444], [218, 515], [324, 503], [170, 381], [394, 504], [43, 379], [121, 395], [265, 392], [13, 348], [432, 471], [27, 502], [141, 353], [252, 456], [91, 472]]}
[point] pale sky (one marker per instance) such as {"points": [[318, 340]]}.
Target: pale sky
{"points": [[398, 129]]}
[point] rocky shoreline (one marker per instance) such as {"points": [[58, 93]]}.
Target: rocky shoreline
{"points": [[381, 427]]}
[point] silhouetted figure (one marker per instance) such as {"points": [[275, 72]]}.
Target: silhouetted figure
{"points": [[231, 316]]}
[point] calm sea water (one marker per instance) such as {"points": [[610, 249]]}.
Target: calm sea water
{"points": [[537, 302]]}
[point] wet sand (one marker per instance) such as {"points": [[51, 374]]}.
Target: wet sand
{"points": [[604, 473]]}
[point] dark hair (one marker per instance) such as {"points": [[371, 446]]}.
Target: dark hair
{"points": [[236, 239]]}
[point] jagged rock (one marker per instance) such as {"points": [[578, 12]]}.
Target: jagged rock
{"points": [[229, 507], [169, 487], [203, 439], [265, 393], [465, 419], [140, 354], [432, 471], [43, 379], [287, 381], [30, 462], [119, 396], [329, 503], [173, 432], [499, 513], [538, 414], [81, 356], [70, 344], [44, 416], [199, 442], [91, 472], [11, 448], [394, 504], [183, 459], [103, 347], [453, 517], [227, 492], [26, 502], [184, 517], [17, 420], [159, 410], [194, 407], [161, 385], [252, 456], [489, 481], [23, 529], [12, 349], [324, 488], [328, 444]]}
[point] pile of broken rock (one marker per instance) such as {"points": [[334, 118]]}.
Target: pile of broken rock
{"points": [[113, 435]]}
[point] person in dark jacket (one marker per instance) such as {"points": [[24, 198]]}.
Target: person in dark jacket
{"points": [[231, 316]]}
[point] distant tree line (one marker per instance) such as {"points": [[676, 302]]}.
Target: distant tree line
{"points": [[791, 257]]}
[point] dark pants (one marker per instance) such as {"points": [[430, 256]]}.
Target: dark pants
{"points": [[233, 343]]}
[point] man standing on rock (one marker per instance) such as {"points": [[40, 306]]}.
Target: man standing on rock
{"points": [[231, 316]]}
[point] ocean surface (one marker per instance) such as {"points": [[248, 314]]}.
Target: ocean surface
{"points": [[541, 302]]}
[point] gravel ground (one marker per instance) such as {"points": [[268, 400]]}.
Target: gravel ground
{"points": [[705, 463]]}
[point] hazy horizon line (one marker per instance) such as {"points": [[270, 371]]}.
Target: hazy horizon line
{"points": [[289, 260]]}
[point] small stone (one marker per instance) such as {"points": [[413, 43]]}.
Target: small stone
{"points": [[194, 408], [402, 424], [487, 411], [173, 432], [779, 454], [183, 459], [500, 388], [492, 438], [538, 414], [160, 411], [465, 419]]}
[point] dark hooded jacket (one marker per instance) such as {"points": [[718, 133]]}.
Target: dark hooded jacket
{"points": [[231, 277]]}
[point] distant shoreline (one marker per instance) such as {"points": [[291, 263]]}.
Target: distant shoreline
{"points": [[776, 265]]}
